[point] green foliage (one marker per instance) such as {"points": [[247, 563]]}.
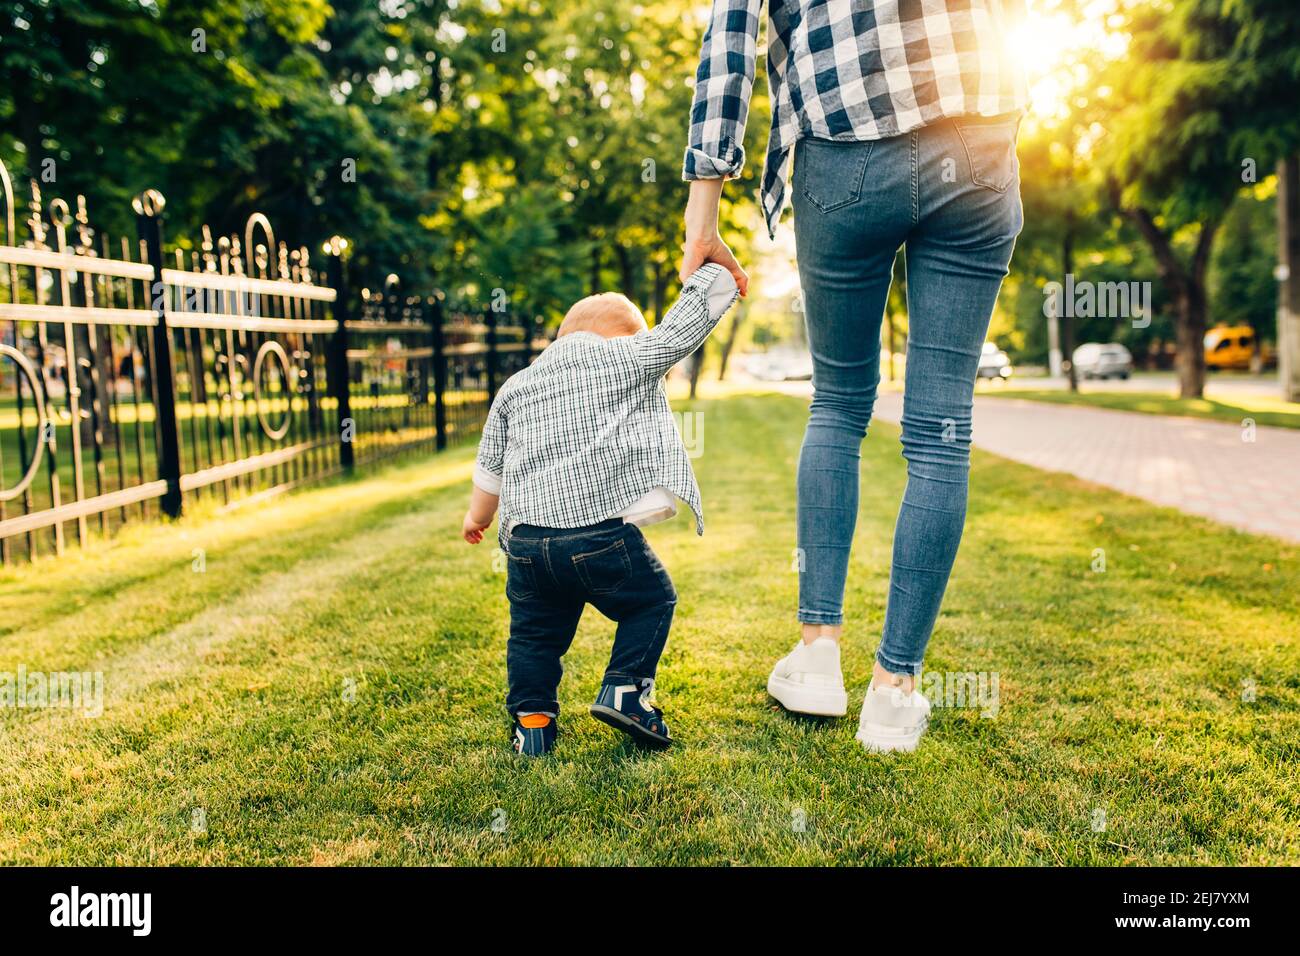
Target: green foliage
{"points": [[1199, 106], [505, 144], [1241, 284], [535, 147]]}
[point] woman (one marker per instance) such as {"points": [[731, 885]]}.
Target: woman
{"points": [[901, 116]]}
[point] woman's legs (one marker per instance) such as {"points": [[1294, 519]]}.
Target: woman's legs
{"points": [[849, 223], [953, 196], [957, 257]]}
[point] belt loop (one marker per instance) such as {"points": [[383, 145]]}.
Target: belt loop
{"points": [[916, 176]]}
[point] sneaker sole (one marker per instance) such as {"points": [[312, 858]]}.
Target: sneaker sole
{"points": [[802, 699], [615, 719], [877, 738]]}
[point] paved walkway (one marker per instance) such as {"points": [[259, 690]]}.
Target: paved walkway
{"points": [[1201, 467]]}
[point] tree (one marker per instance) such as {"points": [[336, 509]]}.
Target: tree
{"points": [[1204, 96]]}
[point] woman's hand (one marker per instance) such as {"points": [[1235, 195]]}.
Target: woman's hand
{"points": [[703, 244]]}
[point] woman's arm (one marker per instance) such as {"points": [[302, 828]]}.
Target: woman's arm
{"points": [[723, 84], [703, 244]]}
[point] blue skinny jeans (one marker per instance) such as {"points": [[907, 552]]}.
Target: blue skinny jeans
{"points": [[949, 195]]}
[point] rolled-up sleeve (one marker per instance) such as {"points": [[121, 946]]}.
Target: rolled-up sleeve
{"points": [[706, 295], [723, 85], [491, 461]]}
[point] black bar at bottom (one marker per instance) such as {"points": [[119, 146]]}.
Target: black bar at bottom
{"points": [[970, 907]]}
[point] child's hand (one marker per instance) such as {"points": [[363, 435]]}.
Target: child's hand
{"points": [[471, 530]]}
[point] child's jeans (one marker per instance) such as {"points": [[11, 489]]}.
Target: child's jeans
{"points": [[556, 572]]}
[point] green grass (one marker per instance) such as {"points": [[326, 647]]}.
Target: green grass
{"points": [[1263, 410], [1120, 691]]}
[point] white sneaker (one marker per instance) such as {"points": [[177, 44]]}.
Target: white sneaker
{"points": [[892, 720], [808, 680]]}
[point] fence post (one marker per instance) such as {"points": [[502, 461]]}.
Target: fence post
{"points": [[433, 310], [491, 353], [337, 369], [148, 208]]}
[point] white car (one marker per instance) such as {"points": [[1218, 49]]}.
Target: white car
{"points": [[779, 366], [1095, 360], [994, 363]]}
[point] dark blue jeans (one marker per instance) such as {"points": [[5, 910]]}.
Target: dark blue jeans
{"points": [[554, 573], [949, 194]]}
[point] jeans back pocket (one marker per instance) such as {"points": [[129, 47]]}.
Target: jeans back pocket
{"points": [[604, 571], [990, 144], [521, 578], [831, 172]]}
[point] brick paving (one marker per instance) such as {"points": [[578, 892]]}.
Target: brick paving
{"points": [[1201, 467]]}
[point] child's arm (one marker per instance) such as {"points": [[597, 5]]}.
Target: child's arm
{"points": [[482, 507], [488, 469], [706, 295]]}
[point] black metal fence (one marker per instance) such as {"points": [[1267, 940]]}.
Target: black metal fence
{"points": [[133, 381]]}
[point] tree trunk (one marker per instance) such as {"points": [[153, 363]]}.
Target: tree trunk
{"points": [[697, 366], [1192, 326], [1186, 286], [595, 269], [1288, 302], [1066, 318], [660, 288], [729, 343], [1189, 360], [627, 274]]}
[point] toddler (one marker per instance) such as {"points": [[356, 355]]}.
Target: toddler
{"points": [[580, 451]]}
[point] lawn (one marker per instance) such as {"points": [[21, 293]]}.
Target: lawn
{"points": [[318, 679], [1264, 410]]}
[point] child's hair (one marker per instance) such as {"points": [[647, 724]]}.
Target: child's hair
{"points": [[609, 314]]}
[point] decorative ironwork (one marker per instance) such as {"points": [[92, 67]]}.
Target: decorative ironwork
{"points": [[151, 380], [28, 371], [277, 350]]}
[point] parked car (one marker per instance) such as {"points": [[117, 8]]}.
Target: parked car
{"points": [[780, 366], [994, 363], [1095, 360], [1229, 346]]}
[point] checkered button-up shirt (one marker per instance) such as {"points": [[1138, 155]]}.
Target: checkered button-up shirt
{"points": [[585, 431], [846, 70]]}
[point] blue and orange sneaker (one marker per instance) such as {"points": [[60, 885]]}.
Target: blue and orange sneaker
{"points": [[534, 734], [627, 707]]}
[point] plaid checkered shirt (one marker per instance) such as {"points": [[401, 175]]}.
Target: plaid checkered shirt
{"points": [[585, 431], [846, 70]]}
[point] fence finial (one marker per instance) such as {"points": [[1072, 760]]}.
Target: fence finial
{"points": [[85, 235], [60, 218], [35, 220], [256, 219]]}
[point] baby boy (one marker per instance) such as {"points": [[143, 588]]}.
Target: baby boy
{"points": [[580, 451]]}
